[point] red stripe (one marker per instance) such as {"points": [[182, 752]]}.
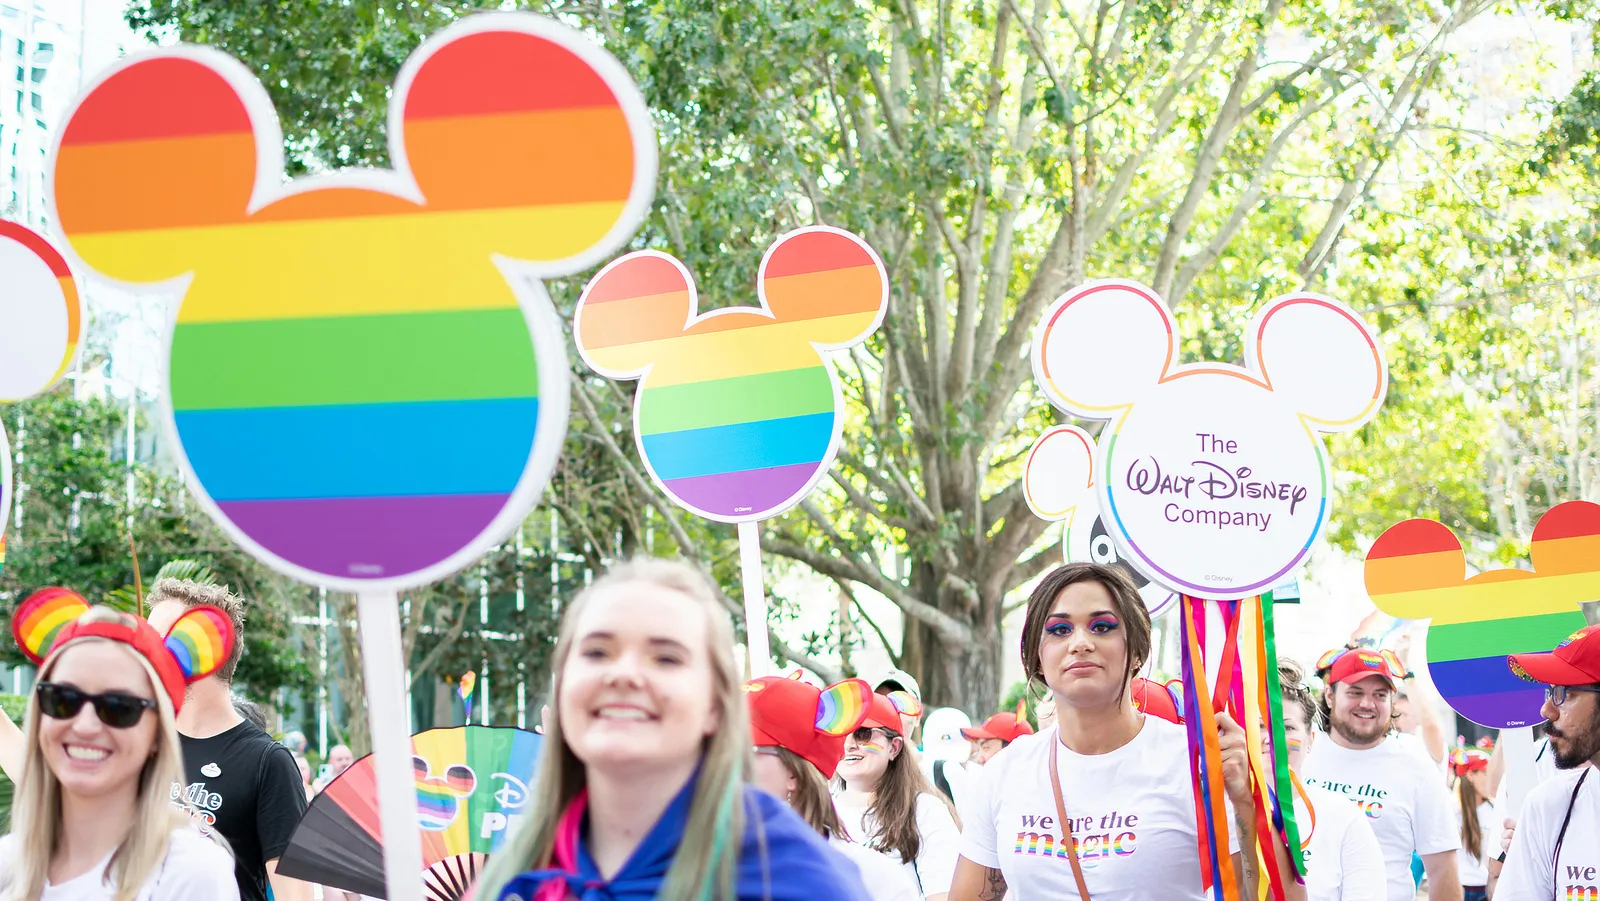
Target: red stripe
{"points": [[40, 247], [1415, 536], [816, 252], [165, 97], [1573, 519], [641, 276], [503, 72]]}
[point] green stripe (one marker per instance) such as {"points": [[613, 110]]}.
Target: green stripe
{"points": [[748, 398], [465, 355], [1513, 635]]}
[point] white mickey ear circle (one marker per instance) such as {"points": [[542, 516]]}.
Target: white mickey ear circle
{"points": [[1058, 475], [1101, 346], [1322, 359], [35, 322]]}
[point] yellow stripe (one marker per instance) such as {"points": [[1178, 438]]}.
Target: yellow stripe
{"points": [[1481, 601], [348, 267], [724, 355], [54, 620]]}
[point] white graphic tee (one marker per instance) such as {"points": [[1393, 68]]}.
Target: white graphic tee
{"points": [[195, 869], [1402, 795], [1575, 875], [1132, 814], [1343, 862]]}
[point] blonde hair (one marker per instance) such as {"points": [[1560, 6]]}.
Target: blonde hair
{"points": [[36, 816], [706, 862]]}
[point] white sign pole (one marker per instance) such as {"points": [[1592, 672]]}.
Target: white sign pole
{"points": [[757, 654], [1521, 776], [381, 659]]}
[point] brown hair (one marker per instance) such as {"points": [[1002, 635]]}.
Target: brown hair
{"points": [[192, 595], [1292, 680], [894, 805], [1471, 830], [1125, 602], [811, 799]]}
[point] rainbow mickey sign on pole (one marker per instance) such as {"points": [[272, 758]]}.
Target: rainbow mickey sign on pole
{"points": [[367, 384], [41, 328], [1212, 479], [738, 413]]}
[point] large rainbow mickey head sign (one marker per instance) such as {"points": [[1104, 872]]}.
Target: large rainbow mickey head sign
{"points": [[41, 326], [367, 384], [1212, 478]]}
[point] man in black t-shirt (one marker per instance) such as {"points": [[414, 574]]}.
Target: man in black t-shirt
{"points": [[238, 782]]}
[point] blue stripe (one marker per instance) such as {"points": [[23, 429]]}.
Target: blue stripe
{"points": [[1476, 676], [735, 448], [361, 450]]}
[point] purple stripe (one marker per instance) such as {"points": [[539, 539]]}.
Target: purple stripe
{"points": [[750, 493], [366, 537], [1501, 709]]}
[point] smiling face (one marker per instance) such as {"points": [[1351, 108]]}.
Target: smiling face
{"points": [[90, 759], [867, 752], [637, 687], [1083, 650], [1361, 711]]}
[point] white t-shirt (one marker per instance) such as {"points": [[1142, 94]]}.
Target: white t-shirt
{"points": [[1132, 811], [884, 877], [195, 869], [1402, 795], [935, 867], [1343, 861], [1475, 870], [1528, 875]]}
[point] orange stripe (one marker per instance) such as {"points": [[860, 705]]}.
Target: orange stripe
{"points": [[334, 203], [832, 292], [648, 318], [1554, 556], [163, 183], [1415, 572], [522, 159]]}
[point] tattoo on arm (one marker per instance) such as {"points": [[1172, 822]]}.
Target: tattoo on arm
{"points": [[994, 886]]}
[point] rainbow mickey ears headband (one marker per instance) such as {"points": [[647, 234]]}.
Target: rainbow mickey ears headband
{"points": [[1325, 663], [196, 646]]}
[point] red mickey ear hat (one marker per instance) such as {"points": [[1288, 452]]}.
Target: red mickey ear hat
{"points": [[196, 646], [810, 721]]}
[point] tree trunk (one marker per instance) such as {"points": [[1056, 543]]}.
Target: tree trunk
{"points": [[967, 679]]}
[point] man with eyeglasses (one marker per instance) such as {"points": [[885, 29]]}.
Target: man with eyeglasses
{"points": [[1555, 852]]}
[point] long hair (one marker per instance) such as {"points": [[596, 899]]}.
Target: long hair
{"points": [[893, 810], [812, 800], [1471, 830], [706, 862], [36, 816], [1292, 679], [1125, 602]]}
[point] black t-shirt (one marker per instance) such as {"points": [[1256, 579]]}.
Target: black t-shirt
{"points": [[247, 787]]}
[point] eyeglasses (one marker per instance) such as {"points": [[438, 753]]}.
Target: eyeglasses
{"points": [[864, 734], [116, 709], [1559, 694], [768, 751]]}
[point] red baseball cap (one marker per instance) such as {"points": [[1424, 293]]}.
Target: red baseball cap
{"points": [[810, 721], [882, 714], [1008, 727], [1155, 699], [1575, 661], [1359, 663]]}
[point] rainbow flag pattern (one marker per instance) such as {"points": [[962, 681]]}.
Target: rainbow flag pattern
{"points": [[439, 798], [737, 414], [842, 707], [365, 394], [200, 641], [36, 321], [1416, 570], [41, 618]]}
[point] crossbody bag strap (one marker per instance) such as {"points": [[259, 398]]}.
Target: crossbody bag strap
{"points": [[1561, 837], [1066, 824]]}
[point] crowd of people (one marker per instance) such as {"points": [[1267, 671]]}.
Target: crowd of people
{"points": [[665, 775]]}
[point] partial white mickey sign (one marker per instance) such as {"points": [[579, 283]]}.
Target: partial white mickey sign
{"points": [[1211, 478]]}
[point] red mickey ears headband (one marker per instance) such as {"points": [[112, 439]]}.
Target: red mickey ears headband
{"points": [[196, 646]]}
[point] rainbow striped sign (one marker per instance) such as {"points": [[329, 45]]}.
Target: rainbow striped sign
{"points": [[737, 414], [1416, 570], [367, 382]]}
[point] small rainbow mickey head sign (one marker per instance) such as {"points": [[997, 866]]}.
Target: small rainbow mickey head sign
{"points": [[1417, 570], [1212, 478], [439, 797], [738, 414], [41, 326], [367, 381]]}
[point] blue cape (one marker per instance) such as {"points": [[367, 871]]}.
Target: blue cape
{"points": [[798, 864]]}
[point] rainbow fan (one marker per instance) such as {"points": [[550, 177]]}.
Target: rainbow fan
{"points": [[472, 787]]}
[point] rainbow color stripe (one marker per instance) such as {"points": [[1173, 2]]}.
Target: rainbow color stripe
{"points": [[352, 377], [34, 243], [737, 414], [439, 799], [841, 708], [200, 641], [1415, 570], [41, 618]]}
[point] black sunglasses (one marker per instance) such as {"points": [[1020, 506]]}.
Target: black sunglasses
{"points": [[116, 709], [864, 734]]}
